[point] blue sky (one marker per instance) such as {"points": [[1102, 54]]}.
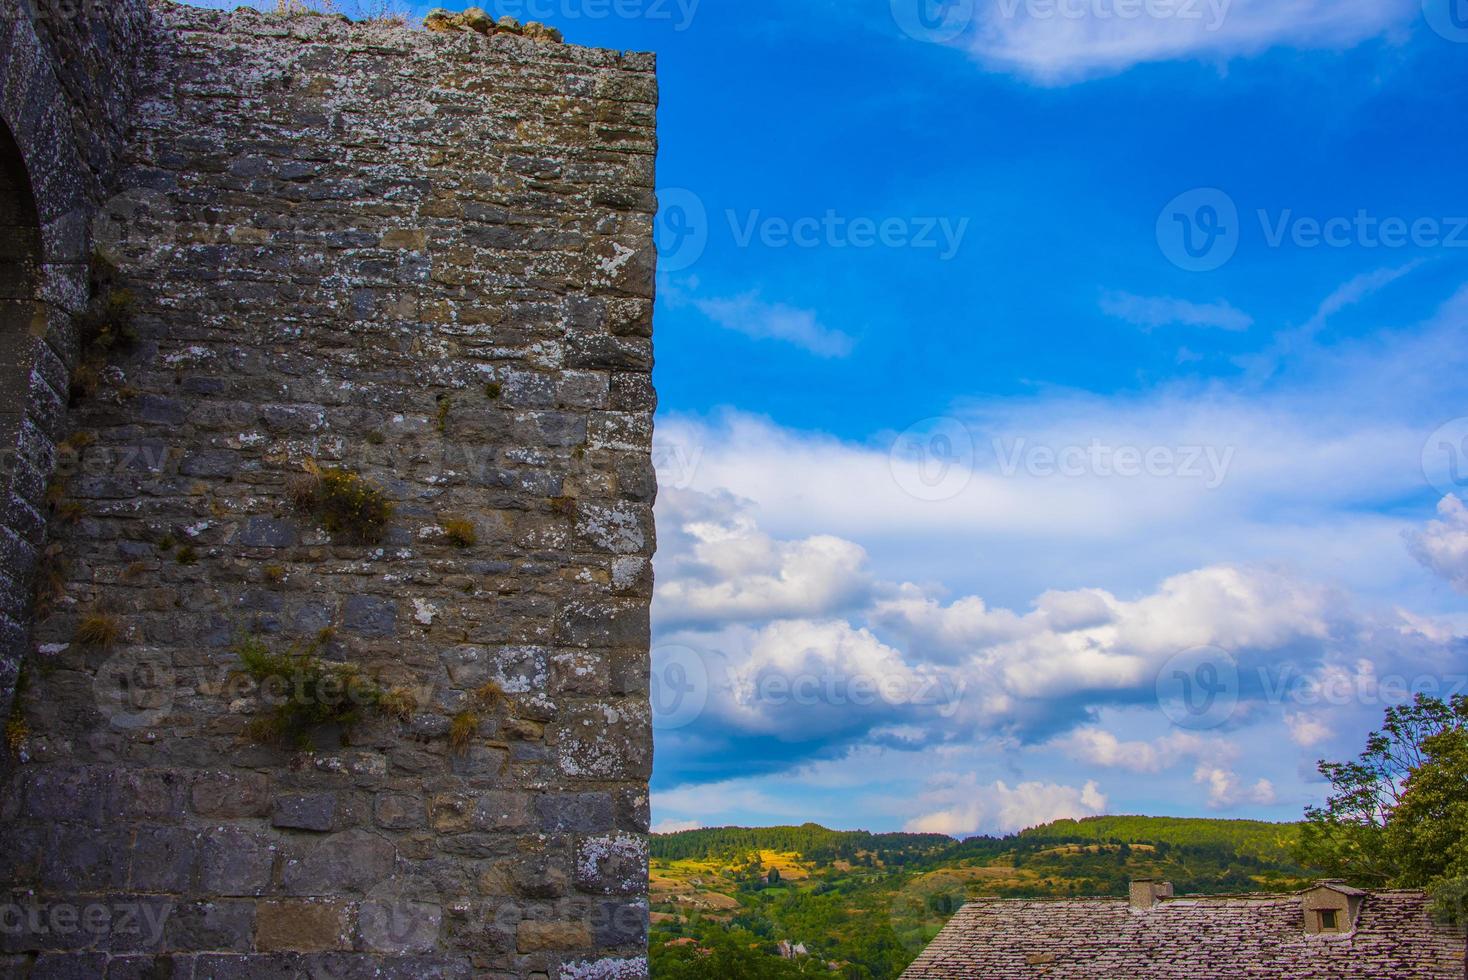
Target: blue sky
{"points": [[1026, 456]]}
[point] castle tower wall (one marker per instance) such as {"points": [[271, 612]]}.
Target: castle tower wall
{"points": [[339, 664]]}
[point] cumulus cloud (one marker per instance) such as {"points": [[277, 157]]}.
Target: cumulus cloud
{"points": [[674, 826], [1102, 748], [807, 648], [1163, 311], [1093, 642], [1306, 729], [1058, 42], [1442, 546], [1225, 789], [965, 807], [718, 566]]}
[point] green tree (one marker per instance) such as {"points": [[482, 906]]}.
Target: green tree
{"points": [[1398, 815]]}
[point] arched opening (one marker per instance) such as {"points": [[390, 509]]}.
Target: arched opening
{"points": [[20, 280]]}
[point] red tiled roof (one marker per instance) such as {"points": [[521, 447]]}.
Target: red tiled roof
{"points": [[1254, 937]]}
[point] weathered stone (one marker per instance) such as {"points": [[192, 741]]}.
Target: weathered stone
{"points": [[423, 257], [303, 927], [398, 811], [532, 936], [268, 532], [369, 616], [224, 926], [614, 864], [235, 862], [353, 861], [224, 794], [307, 811], [581, 813]]}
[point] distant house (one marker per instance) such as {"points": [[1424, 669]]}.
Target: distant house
{"points": [[1328, 932], [789, 950]]}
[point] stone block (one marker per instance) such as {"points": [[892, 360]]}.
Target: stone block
{"points": [[351, 862], [305, 811], [533, 936], [580, 813], [613, 864], [303, 926], [235, 862], [223, 926], [228, 795]]}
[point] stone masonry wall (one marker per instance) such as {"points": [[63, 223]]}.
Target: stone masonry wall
{"points": [[66, 81], [425, 258]]}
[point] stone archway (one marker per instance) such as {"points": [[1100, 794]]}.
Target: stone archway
{"points": [[21, 262], [22, 272]]}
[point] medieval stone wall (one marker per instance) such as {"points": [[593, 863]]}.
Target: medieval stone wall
{"points": [[414, 263], [66, 81]]}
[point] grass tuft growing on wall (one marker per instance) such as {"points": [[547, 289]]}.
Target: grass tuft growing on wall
{"points": [[459, 532], [99, 630], [351, 507], [305, 693]]}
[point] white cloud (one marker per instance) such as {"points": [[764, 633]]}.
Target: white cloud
{"points": [[965, 807], [1442, 545], [1291, 344], [750, 315], [1307, 730], [1102, 748], [675, 826], [717, 566], [1224, 789], [807, 647], [1123, 643], [1058, 42], [1162, 311]]}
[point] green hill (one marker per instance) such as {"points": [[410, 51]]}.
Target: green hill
{"points": [[724, 898], [1266, 841]]}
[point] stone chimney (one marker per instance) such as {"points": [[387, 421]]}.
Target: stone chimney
{"points": [[1147, 892]]}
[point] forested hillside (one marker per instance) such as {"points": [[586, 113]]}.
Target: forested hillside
{"points": [[794, 901]]}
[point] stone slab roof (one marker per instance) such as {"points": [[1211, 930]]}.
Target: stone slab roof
{"points": [[1190, 938]]}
